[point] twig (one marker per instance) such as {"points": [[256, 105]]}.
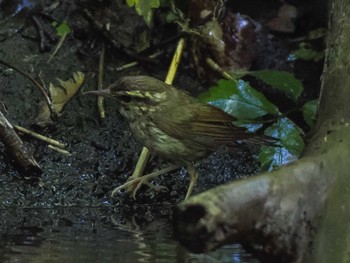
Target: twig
{"points": [[100, 99], [59, 150], [214, 66], [58, 46], [133, 64], [175, 62], [35, 83], [43, 46], [40, 137]]}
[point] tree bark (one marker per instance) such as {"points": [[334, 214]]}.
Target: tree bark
{"points": [[301, 212]]}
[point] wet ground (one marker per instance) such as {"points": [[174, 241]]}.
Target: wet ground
{"points": [[38, 221], [95, 235]]}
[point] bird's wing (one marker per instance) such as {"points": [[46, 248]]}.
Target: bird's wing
{"points": [[201, 124]]}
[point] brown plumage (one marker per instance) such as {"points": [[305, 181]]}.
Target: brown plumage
{"points": [[173, 124]]}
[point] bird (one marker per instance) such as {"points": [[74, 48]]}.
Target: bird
{"points": [[174, 125]]}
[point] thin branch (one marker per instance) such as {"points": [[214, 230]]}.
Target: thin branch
{"points": [[40, 137], [58, 46], [59, 150], [135, 63], [34, 82], [100, 99]]}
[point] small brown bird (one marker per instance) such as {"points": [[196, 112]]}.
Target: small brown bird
{"points": [[175, 125]]}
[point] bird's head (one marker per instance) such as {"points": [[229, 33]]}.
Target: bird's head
{"points": [[135, 90]]}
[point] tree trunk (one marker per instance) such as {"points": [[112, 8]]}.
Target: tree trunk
{"points": [[301, 212]]}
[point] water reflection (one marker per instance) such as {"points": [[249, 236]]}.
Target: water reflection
{"points": [[90, 235]]}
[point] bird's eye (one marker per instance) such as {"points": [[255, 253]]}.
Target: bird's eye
{"points": [[125, 98]]}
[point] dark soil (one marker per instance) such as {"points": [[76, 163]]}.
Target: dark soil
{"points": [[103, 153]]}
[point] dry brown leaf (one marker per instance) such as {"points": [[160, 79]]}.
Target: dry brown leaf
{"points": [[60, 95], [64, 92]]}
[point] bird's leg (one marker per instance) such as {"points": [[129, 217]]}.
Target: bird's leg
{"points": [[141, 163], [135, 184], [193, 179]]}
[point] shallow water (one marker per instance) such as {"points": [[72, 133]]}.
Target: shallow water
{"points": [[97, 235]]}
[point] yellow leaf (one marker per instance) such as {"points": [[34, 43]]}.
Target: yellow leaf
{"points": [[61, 94]]}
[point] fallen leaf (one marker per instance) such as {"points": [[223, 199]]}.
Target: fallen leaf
{"points": [[60, 96], [63, 93]]}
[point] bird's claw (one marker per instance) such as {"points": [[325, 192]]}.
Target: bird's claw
{"points": [[134, 185]]}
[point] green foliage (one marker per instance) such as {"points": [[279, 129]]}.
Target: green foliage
{"points": [[305, 52], [291, 143], [239, 99], [144, 8], [248, 106], [63, 29], [280, 80], [309, 112]]}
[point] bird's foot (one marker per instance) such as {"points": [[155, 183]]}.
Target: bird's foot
{"points": [[133, 185]]}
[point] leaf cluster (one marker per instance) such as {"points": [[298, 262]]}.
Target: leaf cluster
{"points": [[249, 106]]}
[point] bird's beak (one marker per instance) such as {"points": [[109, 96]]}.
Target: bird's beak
{"points": [[102, 92]]}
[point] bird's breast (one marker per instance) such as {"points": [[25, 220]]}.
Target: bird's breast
{"points": [[160, 143]]}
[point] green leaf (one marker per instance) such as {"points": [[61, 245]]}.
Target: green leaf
{"points": [[239, 99], [280, 80], [63, 29], [305, 52], [223, 90], [291, 144], [144, 8], [309, 112], [131, 3]]}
